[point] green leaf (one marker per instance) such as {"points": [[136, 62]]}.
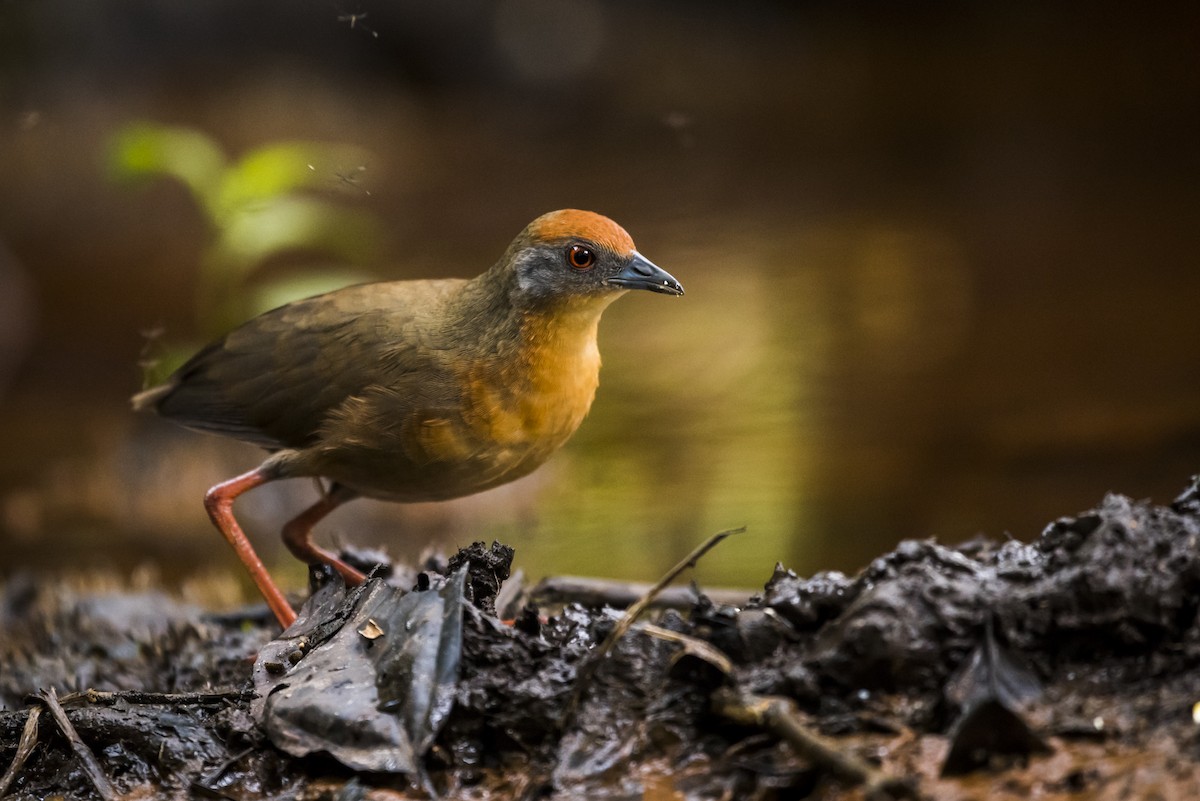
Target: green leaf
{"points": [[295, 222], [144, 149], [278, 169]]}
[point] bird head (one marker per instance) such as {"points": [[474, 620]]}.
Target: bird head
{"points": [[571, 256]]}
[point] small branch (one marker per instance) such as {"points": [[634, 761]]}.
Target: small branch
{"points": [[588, 669], [155, 699], [641, 604], [91, 766], [620, 594], [778, 716], [29, 739], [695, 646]]}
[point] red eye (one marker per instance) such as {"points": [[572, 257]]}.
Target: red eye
{"points": [[580, 257]]}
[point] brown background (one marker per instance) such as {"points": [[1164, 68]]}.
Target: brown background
{"points": [[941, 262]]}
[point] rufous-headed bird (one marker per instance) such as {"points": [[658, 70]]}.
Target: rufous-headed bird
{"points": [[412, 390]]}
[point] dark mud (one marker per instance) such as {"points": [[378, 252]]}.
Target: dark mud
{"points": [[1065, 668]]}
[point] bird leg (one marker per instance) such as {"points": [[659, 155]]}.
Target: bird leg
{"points": [[297, 534], [219, 503]]}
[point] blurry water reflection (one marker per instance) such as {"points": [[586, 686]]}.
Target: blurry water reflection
{"points": [[941, 271]]}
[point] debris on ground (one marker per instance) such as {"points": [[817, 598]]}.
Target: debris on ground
{"points": [[1062, 668]]}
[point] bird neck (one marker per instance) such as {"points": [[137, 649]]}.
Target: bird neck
{"points": [[559, 344], [564, 323]]}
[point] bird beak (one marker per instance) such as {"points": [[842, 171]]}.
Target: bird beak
{"points": [[641, 273]]}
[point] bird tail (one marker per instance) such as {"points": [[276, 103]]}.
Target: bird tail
{"points": [[150, 398]]}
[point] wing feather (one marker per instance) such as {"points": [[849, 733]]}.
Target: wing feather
{"points": [[276, 378]]}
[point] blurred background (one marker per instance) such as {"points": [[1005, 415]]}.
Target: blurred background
{"points": [[941, 260]]}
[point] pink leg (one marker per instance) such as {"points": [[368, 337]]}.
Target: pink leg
{"points": [[297, 535], [219, 503]]}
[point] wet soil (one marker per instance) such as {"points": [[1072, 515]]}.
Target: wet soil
{"points": [[1062, 668]]}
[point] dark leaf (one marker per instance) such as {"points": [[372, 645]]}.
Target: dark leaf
{"points": [[370, 674]]}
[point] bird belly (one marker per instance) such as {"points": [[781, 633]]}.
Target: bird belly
{"points": [[504, 420], [497, 435]]}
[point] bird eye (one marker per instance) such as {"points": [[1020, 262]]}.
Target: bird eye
{"points": [[580, 257]]}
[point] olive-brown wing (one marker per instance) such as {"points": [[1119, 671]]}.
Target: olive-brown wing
{"points": [[275, 379]]}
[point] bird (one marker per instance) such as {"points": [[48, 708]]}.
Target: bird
{"points": [[411, 390]]}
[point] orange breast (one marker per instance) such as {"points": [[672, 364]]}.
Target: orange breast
{"points": [[510, 411], [526, 404], [539, 403]]}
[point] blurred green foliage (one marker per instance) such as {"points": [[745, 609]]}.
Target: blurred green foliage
{"points": [[274, 200]]}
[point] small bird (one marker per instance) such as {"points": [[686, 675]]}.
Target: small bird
{"points": [[412, 390]]}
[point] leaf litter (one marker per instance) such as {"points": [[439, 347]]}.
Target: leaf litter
{"points": [[1062, 668]]}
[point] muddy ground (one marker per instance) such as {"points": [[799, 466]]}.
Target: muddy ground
{"points": [[1063, 668]]}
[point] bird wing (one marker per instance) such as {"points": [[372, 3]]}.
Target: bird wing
{"points": [[275, 379]]}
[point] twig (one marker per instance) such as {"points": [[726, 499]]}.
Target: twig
{"points": [[29, 739], [159, 699], [640, 605], [588, 669], [91, 766], [620, 594], [695, 646], [778, 716]]}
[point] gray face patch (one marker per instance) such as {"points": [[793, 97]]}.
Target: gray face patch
{"points": [[543, 272]]}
